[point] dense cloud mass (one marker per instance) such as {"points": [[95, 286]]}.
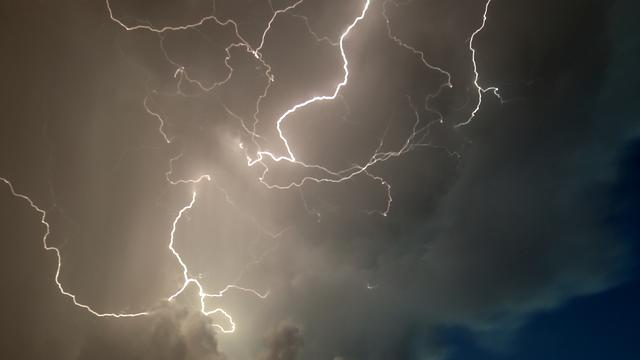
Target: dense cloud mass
{"points": [[283, 343], [174, 333], [475, 227]]}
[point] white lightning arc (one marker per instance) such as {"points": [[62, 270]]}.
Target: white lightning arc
{"points": [[187, 278], [168, 176], [377, 156], [315, 35], [270, 23], [151, 28], [330, 176], [191, 280], [333, 176], [345, 66], [159, 118], [476, 76], [185, 271], [418, 53], [183, 181], [47, 247], [419, 133]]}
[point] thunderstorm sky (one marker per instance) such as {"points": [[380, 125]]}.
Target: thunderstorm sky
{"points": [[319, 179]]}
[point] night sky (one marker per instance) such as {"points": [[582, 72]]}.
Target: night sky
{"points": [[319, 179]]}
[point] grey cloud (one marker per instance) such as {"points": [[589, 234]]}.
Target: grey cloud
{"points": [[172, 332], [283, 343]]}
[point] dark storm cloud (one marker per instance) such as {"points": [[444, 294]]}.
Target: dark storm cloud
{"points": [[522, 227], [172, 333], [283, 343], [517, 224]]}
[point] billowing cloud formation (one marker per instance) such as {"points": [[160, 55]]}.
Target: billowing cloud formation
{"points": [[173, 333], [283, 343], [489, 223]]}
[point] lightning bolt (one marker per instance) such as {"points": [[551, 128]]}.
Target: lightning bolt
{"points": [[415, 51], [270, 23], [47, 247], [315, 35], [345, 66], [159, 118], [183, 181], [191, 280], [185, 270], [476, 76], [418, 137]]}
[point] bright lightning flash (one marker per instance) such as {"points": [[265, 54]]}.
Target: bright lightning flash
{"points": [[418, 134]]}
